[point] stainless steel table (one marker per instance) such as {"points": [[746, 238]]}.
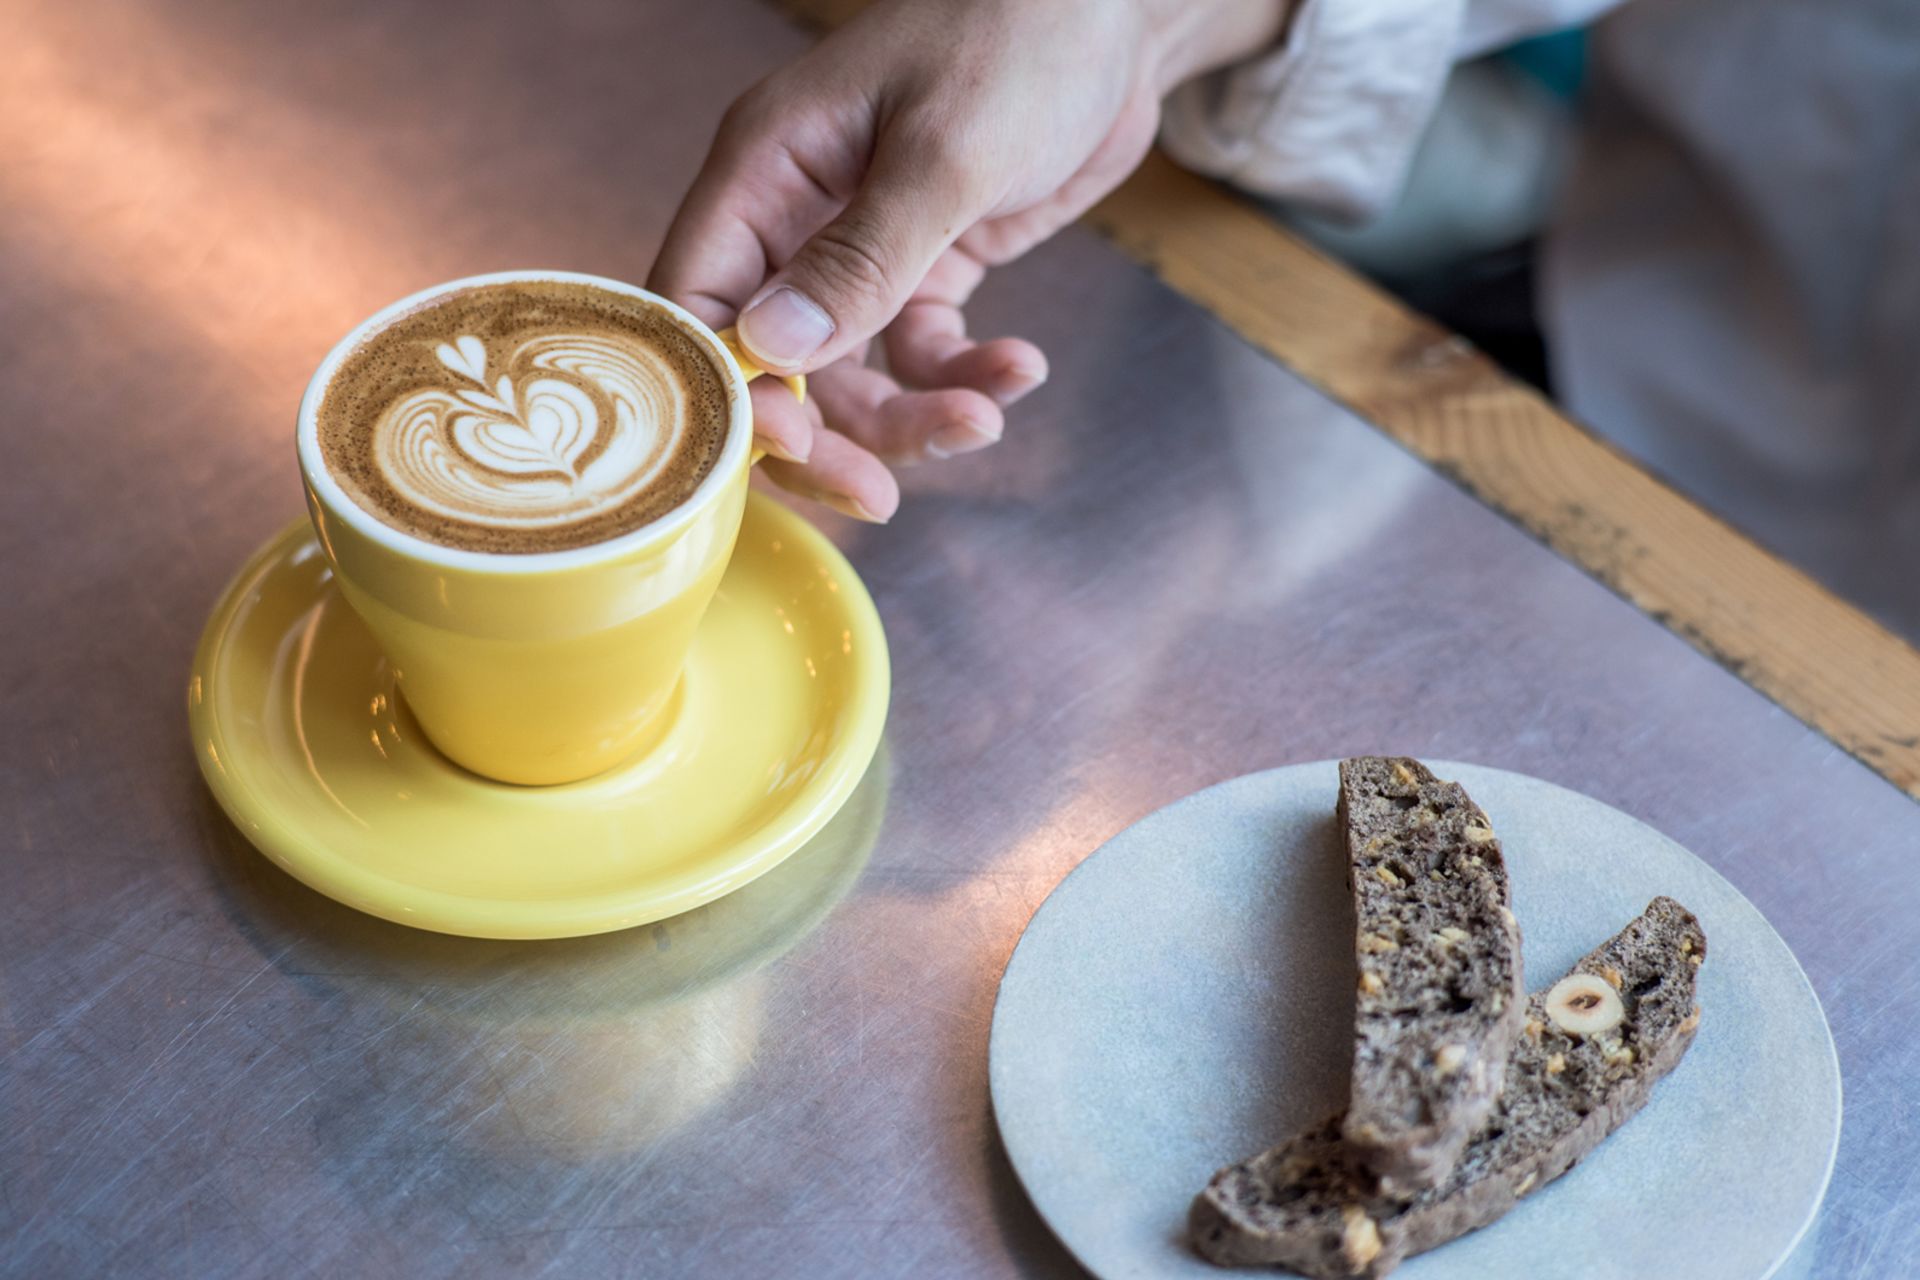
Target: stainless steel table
{"points": [[1180, 566]]}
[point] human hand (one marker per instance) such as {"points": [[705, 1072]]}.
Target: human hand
{"points": [[863, 191]]}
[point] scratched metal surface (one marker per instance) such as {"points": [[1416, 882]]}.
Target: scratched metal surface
{"points": [[1182, 565]]}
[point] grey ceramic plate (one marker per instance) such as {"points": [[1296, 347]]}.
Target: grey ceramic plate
{"points": [[1182, 999]]}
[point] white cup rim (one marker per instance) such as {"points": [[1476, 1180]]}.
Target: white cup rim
{"points": [[340, 504]]}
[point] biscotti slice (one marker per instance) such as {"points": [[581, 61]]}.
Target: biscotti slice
{"points": [[1593, 1046], [1440, 981]]}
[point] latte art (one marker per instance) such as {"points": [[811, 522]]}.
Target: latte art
{"points": [[539, 425], [575, 424]]}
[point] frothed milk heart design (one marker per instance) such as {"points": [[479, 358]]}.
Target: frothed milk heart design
{"points": [[525, 416], [574, 424]]}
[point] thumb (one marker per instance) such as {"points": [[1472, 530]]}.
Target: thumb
{"points": [[846, 283]]}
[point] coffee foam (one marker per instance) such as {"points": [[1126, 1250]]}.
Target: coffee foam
{"points": [[524, 416]]}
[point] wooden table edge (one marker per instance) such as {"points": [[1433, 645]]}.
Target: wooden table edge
{"points": [[1811, 652]]}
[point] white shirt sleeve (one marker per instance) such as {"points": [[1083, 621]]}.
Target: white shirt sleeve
{"points": [[1330, 118]]}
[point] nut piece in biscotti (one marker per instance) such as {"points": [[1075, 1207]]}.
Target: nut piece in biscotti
{"points": [[1440, 994], [1300, 1205]]}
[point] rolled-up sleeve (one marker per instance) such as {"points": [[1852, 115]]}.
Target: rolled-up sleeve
{"points": [[1331, 116]]}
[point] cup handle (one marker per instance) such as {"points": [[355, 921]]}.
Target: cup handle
{"points": [[748, 369]]}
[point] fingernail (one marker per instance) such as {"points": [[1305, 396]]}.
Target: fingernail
{"points": [[847, 506], [785, 327], [958, 437], [1019, 383], [774, 449]]}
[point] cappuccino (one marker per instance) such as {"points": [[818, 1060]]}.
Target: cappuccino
{"points": [[524, 416]]}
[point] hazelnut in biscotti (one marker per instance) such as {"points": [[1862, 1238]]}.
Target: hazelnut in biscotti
{"points": [[1591, 1048], [1440, 983]]}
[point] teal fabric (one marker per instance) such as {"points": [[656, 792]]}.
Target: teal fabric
{"points": [[1557, 60]]}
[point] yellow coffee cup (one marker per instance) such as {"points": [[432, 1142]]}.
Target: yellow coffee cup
{"points": [[547, 667]]}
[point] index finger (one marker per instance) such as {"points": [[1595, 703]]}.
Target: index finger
{"points": [[749, 208]]}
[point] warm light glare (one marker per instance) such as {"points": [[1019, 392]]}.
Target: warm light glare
{"points": [[232, 239]]}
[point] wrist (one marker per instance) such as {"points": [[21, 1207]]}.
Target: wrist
{"points": [[1187, 38]]}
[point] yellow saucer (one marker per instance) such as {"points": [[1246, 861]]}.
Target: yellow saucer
{"points": [[305, 745]]}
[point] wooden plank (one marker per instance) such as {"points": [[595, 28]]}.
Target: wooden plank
{"points": [[1773, 626]]}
